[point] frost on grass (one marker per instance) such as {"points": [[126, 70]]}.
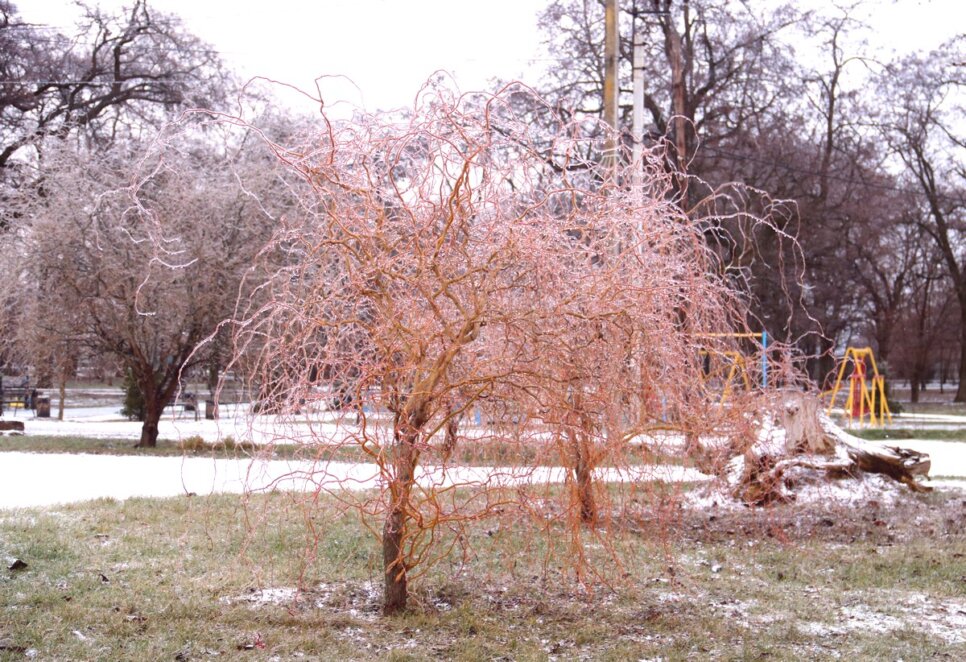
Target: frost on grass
{"points": [[942, 619], [358, 600]]}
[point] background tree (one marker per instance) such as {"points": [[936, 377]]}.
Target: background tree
{"points": [[711, 69], [142, 273], [764, 133], [923, 128], [116, 75]]}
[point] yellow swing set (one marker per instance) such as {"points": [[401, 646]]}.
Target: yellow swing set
{"points": [[867, 396]]}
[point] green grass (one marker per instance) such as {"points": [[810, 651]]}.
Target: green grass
{"points": [[886, 434], [948, 408], [165, 448], [162, 578], [471, 453]]}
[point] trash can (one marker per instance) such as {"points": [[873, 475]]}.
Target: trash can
{"points": [[42, 403], [211, 410]]}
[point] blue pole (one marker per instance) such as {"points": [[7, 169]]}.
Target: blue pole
{"points": [[764, 359]]}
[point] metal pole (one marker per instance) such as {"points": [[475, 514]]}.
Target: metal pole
{"points": [[764, 359], [611, 89], [638, 126]]}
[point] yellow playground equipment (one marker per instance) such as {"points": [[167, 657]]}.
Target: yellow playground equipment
{"points": [[726, 367], [867, 398]]}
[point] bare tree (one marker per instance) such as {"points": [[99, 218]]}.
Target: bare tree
{"points": [[116, 74], [142, 273], [449, 272], [711, 70], [923, 128]]}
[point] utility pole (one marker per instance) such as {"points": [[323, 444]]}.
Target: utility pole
{"points": [[637, 129], [677, 104], [611, 88]]}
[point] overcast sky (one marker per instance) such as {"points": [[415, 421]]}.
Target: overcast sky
{"points": [[388, 48]]}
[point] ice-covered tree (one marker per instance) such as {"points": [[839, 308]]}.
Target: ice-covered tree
{"points": [[136, 252]]}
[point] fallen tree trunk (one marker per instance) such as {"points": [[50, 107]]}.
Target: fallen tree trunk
{"points": [[798, 437]]}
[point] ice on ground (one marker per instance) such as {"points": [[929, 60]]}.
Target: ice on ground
{"points": [[35, 479], [235, 421], [265, 596]]}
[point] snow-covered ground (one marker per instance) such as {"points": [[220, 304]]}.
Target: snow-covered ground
{"points": [[34, 479], [43, 479], [106, 422]]}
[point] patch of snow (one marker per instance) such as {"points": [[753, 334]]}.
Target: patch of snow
{"points": [[808, 490], [944, 620], [39, 480], [30, 479], [850, 491], [897, 419], [265, 596], [771, 439], [955, 485]]}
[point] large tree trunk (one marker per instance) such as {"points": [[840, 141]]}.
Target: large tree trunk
{"points": [[152, 416], [394, 563], [804, 438]]}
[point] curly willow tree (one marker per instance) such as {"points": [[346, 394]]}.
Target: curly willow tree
{"points": [[453, 285]]}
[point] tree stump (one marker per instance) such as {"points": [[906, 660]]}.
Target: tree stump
{"points": [[797, 434]]}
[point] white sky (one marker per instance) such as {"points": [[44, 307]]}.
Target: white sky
{"points": [[388, 48]]}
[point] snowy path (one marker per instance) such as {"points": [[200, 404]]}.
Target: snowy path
{"points": [[35, 479], [44, 479]]}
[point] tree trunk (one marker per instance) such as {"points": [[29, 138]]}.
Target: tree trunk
{"points": [[678, 92], [582, 459], [152, 416], [62, 397], [394, 560]]}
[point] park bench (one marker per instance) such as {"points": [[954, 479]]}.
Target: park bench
{"points": [[14, 397]]}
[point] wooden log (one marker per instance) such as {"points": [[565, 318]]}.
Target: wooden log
{"points": [[901, 464]]}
